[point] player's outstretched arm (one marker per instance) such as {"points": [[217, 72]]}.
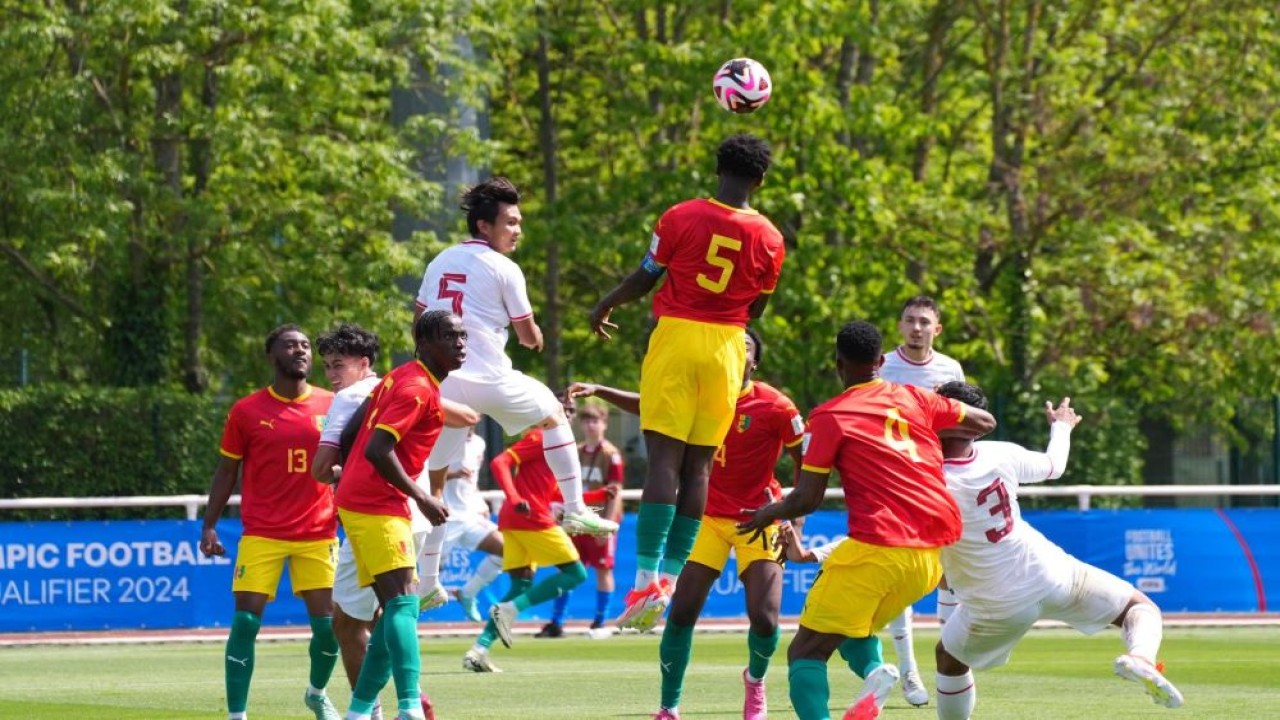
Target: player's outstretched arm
{"points": [[635, 286], [804, 499], [457, 415], [624, 400]]}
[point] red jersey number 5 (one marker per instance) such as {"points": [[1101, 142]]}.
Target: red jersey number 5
{"points": [[451, 293], [717, 260]]}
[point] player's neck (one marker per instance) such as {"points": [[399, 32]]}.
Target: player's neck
{"points": [[956, 448], [437, 372], [291, 388], [916, 355], [733, 194]]}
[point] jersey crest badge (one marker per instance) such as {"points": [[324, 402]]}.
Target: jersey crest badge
{"points": [[744, 422]]}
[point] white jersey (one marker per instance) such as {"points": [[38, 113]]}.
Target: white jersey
{"points": [[1001, 564], [344, 405], [488, 290], [938, 369], [460, 493]]}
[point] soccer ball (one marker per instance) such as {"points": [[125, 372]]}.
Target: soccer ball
{"points": [[742, 85]]}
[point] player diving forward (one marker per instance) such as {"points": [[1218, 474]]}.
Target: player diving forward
{"points": [[766, 422], [1007, 575]]}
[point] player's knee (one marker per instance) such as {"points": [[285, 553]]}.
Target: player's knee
{"points": [[576, 572], [762, 622], [946, 663]]}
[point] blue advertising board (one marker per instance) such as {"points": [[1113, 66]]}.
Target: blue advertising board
{"points": [[150, 573]]}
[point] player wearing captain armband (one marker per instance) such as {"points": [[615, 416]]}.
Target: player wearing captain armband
{"points": [[721, 259], [1008, 575], [882, 440]]}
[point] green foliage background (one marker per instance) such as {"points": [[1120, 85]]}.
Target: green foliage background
{"points": [[1088, 188]]}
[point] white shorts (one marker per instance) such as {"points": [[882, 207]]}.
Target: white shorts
{"points": [[1094, 600], [358, 602], [516, 401], [467, 530]]}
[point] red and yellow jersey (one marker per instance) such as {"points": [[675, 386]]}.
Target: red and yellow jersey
{"points": [[274, 438], [533, 482], [718, 260], [882, 440], [764, 422], [406, 404]]}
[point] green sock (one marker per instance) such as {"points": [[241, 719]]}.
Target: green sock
{"points": [[401, 617], [569, 577], [652, 525], [684, 530], [518, 587], [760, 650], [324, 651], [809, 691], [239, 660], [863, 654], [673, 658], [375, 672]]}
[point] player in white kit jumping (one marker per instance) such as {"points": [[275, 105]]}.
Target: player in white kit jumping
{"points": [[477, 281], [1007, 575]]}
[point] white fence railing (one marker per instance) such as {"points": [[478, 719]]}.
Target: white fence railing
{"points": [[1084, 495]]}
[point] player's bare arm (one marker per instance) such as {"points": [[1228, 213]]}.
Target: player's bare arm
{"points": [[326, 467], [756, 309], [792, 545], [804, 499], [457, 415], [635, 286], [224, 480], [624, 400], [528, 333], [975, 424], [380, 452]]}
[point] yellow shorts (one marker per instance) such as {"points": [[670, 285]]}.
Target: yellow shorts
{"points": [[718, 535], [536, 548], [862, 587], [380, 544], [259, 562], [690, 380]]}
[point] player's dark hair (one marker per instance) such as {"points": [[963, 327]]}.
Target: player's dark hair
{"points": [[758, 355], [970, 395], [922, 301], [859, 342], [480, 202], [274, 335], [745, 156], [349, 340], [430, 325]]}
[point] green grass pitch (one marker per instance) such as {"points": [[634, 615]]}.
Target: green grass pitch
{"points": [[1054, 674]]}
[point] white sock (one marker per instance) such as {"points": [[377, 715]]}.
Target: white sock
{"points": [[238, 716], [644, 577], [562, 457], [947, 602], [1142, 631], [671, 580], [311, 690], [429, 559], [900, 628], [956, 696], [488, 571], [353, 715], [480, 649]]}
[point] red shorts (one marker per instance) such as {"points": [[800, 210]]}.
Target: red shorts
{"points": [[596, 552]]}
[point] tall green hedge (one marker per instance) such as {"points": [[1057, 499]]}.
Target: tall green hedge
{"points": [[65, 441]]}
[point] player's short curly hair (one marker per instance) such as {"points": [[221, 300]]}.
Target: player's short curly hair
{"points": [[745, 156], [274, 335], [758, 355], [480, 202], [430, 325], [970, 395], [349, 340], [859, 342]]}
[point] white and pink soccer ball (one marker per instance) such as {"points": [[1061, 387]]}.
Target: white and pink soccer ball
{"points": [[742, 85]]}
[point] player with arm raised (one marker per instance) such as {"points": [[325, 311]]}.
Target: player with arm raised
{"points": [[478, 282], [915, 362], [1008, 575], [882, 440], [721, 259], [767, 424]]}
